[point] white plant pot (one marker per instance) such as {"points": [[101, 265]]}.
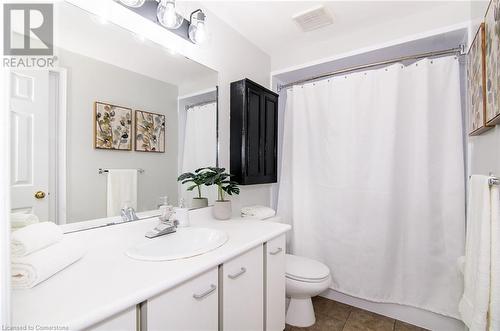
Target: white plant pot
{"points": [[222, 209], [199, 203]]}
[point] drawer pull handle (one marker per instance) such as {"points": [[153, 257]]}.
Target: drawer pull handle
{"points": [[204, 294], [238, 274], [278, 250]]}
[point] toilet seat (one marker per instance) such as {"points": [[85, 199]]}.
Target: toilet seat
{"points": [[305, 270]]}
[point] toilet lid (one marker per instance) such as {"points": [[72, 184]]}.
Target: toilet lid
{"points": [[298, 267]]}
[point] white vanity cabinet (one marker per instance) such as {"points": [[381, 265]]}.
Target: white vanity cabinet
{"points": [[192, 305], [246, 293], [242, 281], [274, 260]]}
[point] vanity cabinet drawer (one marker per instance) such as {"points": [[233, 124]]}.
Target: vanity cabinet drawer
{"points": [[274, 260], [190, 306], [243, 292]]}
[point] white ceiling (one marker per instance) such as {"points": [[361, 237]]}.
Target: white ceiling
{"points": [[269, 26], [77, 31]]}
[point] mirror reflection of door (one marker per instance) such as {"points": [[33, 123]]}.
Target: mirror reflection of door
{"points": [[30, 130]]}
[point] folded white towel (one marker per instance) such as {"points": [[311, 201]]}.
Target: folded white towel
{"points": [[260, 212], [19, 220], [28, 271], [34, 237]]}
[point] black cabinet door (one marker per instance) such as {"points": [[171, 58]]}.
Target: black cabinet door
{"points": [[253, 156], [270, 139], [254, 124]]}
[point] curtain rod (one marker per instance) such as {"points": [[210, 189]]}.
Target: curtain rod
{"points": [[460, 50], [200, 104]]}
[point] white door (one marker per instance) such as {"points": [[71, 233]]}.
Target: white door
{"points": [[29, 110]]}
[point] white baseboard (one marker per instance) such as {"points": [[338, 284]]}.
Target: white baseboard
{"points": [[419, 317]]}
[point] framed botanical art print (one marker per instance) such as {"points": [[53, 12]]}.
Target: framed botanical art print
{"points": [[149, 132], [476, 81], [112, 127], [492, 36]]}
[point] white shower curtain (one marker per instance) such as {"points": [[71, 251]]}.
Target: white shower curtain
{"points": [[200, 145], [372, 182]]}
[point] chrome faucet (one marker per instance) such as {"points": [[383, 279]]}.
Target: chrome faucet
{"points": [[165, 226], [128, 214]]}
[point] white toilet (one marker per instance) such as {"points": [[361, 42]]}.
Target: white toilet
{"points": [[305, 278]]}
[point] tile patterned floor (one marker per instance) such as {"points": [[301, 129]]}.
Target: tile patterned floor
{"points": [[336, 316]]}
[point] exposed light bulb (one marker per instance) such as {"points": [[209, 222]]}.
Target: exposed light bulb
{"points": [[133, 3], [167, 16], [197, 29], [198, 33]]}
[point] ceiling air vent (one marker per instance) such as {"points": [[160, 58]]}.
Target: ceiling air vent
{"points": [[313, 19]]}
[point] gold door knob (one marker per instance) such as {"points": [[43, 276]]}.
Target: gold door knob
{"points": [[39, 194]]}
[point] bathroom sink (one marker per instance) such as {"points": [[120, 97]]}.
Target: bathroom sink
{"points": [[185, 243]]}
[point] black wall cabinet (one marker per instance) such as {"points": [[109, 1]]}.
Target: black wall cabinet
{"points": [[254, 133]]}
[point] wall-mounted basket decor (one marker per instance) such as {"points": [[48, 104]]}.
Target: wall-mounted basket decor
{"points": [[476, 85], [112, 127], [492, 39], [149, 132]]}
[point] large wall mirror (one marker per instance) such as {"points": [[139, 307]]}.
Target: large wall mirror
{"points": [[113, 124]]}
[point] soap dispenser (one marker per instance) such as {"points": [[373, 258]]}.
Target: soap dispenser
{"points": [[182, 214]]}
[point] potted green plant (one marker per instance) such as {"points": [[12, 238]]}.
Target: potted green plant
{"points": [[197, 179], [218, 176]]}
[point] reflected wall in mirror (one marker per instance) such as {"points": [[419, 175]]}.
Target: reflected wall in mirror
{"points": [[57, 174]]}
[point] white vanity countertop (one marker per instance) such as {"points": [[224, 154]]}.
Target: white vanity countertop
{"points": [[106, 281]]}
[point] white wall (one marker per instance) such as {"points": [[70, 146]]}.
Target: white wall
{"points": [[90, 80], [484, 153], [197, 84]]}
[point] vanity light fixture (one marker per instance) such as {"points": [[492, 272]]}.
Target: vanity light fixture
{"points": [[194, 30], [167, 16], [133, 3], [197, 29]]}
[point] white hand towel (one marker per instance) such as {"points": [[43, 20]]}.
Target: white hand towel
{"points": [[474, 304], [19, 220], [260, 212], [122, 188], [28, 271], [34, 237], [494, 310]]}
